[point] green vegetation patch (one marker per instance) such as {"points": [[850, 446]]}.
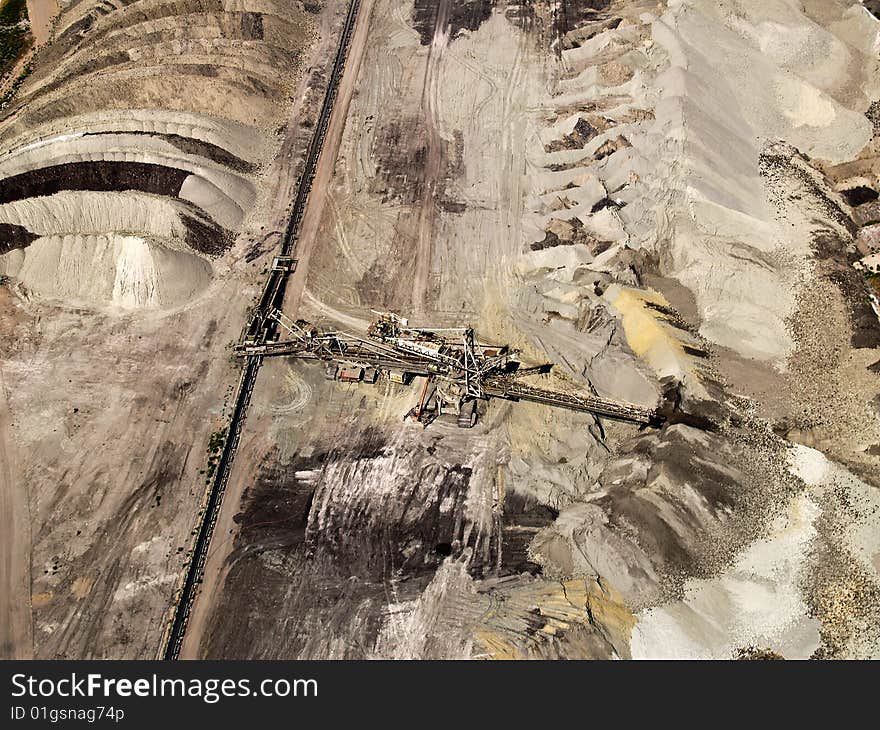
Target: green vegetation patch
{"points": [[14, 33], [13, 12], [215, 446]]}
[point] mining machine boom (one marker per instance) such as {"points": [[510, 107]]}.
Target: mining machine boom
{"points": [[460, 370]]}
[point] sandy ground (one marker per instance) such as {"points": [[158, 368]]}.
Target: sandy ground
{"points": [[105, 559], [17, 637], [646, 194], [41, 13]]}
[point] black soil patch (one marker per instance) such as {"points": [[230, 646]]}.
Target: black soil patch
{"points": [[277, 505], [582, 133], [98, 175], [550, 240], [523, 518], [573, 13], [695, 352], [301, 504], [318, 553], [575, 21], [401, 541], [252, 26], [572, 234], [606, 203], [860, 195], [462, 15], [206, 236], [401, 154], [210, 151], [374, 286], [833, 252], [864, 321], [283, 598], [610, 147], [673, 409], [772, 164], [699, 486], [873, 113], [13, 236], [838, 261]]}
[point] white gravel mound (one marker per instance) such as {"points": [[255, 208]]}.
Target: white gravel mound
{"points": [[114, 270]]}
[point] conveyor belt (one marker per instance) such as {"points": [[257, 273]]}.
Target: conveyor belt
{"points": [[260, 330], [513, 390], [354, 354]]}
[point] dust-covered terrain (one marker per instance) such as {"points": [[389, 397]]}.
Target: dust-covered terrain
{"points": [[674, 202], [146, 163], [651, 196]]}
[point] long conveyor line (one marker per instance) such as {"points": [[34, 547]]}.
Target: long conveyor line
{"points": [[513, 390], [504, 387], [271, 297]]}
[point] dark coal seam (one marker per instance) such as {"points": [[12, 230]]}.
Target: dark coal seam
{"points": [[194, 146], [102, 176], [14, 237], [203, 233]]}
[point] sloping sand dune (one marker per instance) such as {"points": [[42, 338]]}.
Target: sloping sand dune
{"points": [[125, 272]]}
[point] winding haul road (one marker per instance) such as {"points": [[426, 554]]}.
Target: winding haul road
{"points": [[273, 298]]}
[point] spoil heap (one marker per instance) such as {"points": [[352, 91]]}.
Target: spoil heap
{"points": [[130, 155]]}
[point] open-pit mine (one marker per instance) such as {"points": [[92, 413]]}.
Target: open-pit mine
{"points": [[415, 329]]}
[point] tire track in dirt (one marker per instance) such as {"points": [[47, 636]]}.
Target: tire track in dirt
{"points": [[16, 623], [434, 158], [311, 222]]}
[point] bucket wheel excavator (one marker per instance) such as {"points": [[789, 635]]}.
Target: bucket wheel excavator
{"points": [[460, 371]]}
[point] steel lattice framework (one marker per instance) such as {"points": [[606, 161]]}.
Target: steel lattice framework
{"points": [[460, 370]]}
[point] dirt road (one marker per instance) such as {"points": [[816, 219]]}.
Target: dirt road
{"points": [[250, 453], [327, 162], [41, 14], [16, 626], [433, 158]]}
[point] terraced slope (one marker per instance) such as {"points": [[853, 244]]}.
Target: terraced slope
{"points": [[129, 157], [146, 165]]}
